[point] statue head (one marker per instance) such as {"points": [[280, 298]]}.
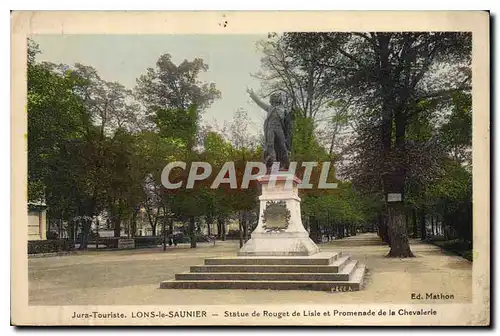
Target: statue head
{"points": [[276, 99]]}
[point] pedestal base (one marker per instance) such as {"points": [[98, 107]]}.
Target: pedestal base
{"points": [[325, 271], [279, 231], [279, 244], [280, 255]]}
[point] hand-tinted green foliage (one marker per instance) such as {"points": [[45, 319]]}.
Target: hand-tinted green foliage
{"points": [[175, 86], [409, 105], [96, 147], [55, 117]]}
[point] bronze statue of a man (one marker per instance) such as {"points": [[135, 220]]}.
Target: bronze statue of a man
{"points": [[277, 130]]}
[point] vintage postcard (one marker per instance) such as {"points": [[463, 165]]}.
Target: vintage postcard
{"points": [[250, 168]]}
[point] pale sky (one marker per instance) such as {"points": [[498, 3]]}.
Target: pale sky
{"points": [[122, 58]]}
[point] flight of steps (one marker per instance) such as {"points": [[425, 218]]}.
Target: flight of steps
{"points": [[325, 271]]}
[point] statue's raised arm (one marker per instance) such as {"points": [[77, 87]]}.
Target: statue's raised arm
{"points": [[258, 101], [277, 130]]}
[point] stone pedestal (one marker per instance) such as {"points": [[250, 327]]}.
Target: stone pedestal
{"points": [[279, 231], [279, 256]]}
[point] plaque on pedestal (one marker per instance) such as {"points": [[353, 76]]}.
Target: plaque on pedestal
{"points": [[280, 231]]}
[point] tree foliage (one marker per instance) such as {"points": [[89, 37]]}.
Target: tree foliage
{"points": [[391, 113], [175, 86], [398, 89]]}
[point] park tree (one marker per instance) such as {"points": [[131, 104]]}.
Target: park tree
{"points": [[235, 200], [446, 195], [81, 151], [124, 173], [154, 152], [389, 76], [234, 143], [55, 117], [113, 115], [306, 148], [58, 126], [178, 129], [171, 86], [218, 151], [304, 73], [300, 72], [89, 153], [244, 149], [110, 105], [456, 131], [174, 98]]}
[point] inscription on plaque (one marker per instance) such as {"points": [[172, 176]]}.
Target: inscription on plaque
{"points": [[276, 216]]}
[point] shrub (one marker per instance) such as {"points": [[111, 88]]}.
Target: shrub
{"points": [[233, 234], [148, 241], [52, 235], [110, 242], [202, 238], [181, 238], [49, 246]]}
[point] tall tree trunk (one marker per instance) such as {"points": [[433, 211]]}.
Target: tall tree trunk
{"points": [[394, 183], [153, 221], [423, 226], [224, 232], [432, 226], [60, 228], [414, 222], [97, 233], [71, 229], [382, 228], [245, 226], [314, 226], [84, 236], [164, 233], [221, 228], [192, 232], [442, 224], [170, 225], [165, 222], [116, 226], [240, 226], [395, 171], [407, 221], [133, 228], [400, 246]]}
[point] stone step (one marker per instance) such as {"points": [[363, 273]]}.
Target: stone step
{"points": [[331, 286], [344, 275], [358, 274], [322, 258], [334, 267]]}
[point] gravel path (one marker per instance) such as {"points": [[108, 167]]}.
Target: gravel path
{"points": [[132, 277]]}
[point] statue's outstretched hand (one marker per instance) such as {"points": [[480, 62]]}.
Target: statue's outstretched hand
{"points": [[257, 100]]}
